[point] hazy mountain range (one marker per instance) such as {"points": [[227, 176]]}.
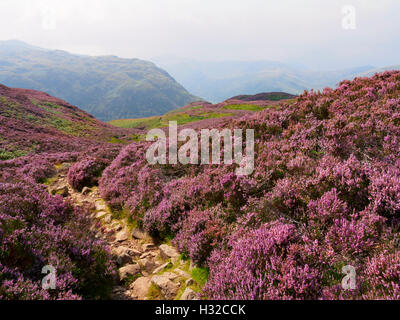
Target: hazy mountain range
{"points": [[107, 87], [217, 81]]}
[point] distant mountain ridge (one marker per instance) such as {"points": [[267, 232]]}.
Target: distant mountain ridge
{"points": [[265, 96], [217, 81], [107, 86]]}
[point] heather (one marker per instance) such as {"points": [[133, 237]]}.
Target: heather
{"points": [[40, 135], [32, 122], [324, 194], [38, 229]]}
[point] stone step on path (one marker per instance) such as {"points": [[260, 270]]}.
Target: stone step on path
{"points": [[143, 266]]}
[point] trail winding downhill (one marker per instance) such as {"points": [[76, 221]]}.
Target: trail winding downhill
{"points": [[146, 270]]}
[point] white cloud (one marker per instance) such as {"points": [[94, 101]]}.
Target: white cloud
{"points": [[308, 31]]}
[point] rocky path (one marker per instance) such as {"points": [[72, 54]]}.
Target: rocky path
{"points": [[146, 270]]}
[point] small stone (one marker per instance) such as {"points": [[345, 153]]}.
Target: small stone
{"points": [[100, 214], [85, 191], [148, 246], [140, 234], [148, 265], [145, 255], [140, 288], [123, 235], [182, 273], [189, 282], [62, 191], [125, 250], [124, 259], [108, 219], [168, 252], [188, 294], [168, 288], [162, 267], [129, 270], [100, 206], [65, 166], [170, 275]]}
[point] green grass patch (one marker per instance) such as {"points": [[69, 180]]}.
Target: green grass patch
{"points": [[163, 121], [154, 293], [200, 275], [245, 107], [8, 155]]}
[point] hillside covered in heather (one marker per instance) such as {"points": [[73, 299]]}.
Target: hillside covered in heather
{"points": [[324, 194]]}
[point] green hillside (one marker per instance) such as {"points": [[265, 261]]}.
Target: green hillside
{"points": [[107, 87]]}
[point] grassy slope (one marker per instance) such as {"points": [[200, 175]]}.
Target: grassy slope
{"points": [[195, 112]]}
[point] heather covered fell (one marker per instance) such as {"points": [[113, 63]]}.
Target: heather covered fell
{"points": [[324, 194]]}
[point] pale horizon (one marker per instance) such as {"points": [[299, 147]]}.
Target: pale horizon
{"points": [[310, 35]]}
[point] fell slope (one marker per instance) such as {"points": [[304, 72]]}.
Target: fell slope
{"points": [[33, 122], [324, 194], [107, 87]]}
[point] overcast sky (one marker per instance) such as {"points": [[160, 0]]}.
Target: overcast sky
{"points": [[308, 32]]}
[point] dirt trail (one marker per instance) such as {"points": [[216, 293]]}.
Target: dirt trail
{"points": [[145, 270]]}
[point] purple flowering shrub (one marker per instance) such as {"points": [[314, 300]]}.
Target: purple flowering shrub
{"points": [[324, 194], [200, 234], [37, 229], [87, 171], [263, 263]]}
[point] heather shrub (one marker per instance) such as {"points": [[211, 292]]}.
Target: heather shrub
{"points": [[263, 264], [85, 173], [383, 276], [201, 232], [324, 194], [37, 229]]}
